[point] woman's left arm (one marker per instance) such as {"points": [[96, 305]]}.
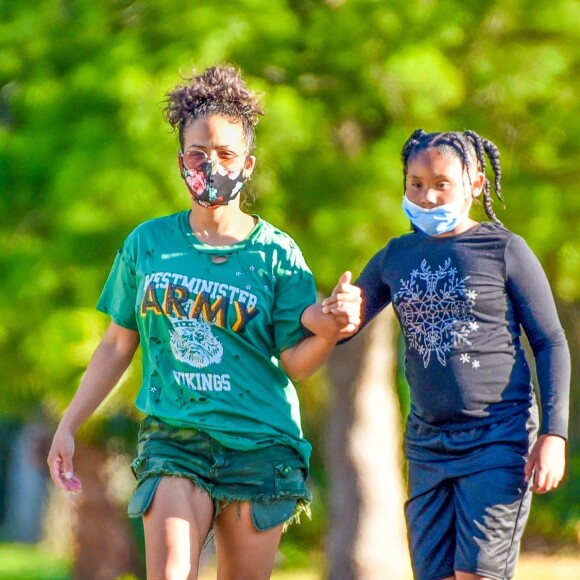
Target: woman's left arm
{"points": [[305, 358]]}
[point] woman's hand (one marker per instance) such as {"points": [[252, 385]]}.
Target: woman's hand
{"points": [[60, 461]]}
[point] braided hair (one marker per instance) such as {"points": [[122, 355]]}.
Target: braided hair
{"points": [[469, 148], [218, 90]]}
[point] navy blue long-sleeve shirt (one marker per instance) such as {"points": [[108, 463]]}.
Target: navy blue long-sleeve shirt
{"points": [[462, 302]]}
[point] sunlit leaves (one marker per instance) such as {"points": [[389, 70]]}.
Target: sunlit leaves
{"points": [[85, 154]]}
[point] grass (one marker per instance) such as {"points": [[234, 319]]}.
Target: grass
{"points": [[29, 562]]}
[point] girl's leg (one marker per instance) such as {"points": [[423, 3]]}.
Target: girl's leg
{"points": [[241, 550], [176, 526], [431, 530], [491, 512]]}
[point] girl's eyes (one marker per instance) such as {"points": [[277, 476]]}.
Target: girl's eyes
{"points": [[441, 185]]}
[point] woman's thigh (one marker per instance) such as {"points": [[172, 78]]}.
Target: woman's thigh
{"points": [[242, 551], [176, 526]]}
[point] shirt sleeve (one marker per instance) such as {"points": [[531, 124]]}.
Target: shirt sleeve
{"points": [[295, 291], [119, 294], [535, 309], [376, 294]]}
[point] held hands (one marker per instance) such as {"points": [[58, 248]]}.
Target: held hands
{"points": [[60, 462], [546, 463], [344, 304]]}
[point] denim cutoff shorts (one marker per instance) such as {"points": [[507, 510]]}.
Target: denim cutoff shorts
{"points": [[272, 478]]}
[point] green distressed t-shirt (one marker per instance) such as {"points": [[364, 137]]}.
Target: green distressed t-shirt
{"points": [[213, 322]]}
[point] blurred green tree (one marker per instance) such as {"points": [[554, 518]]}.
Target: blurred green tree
{"points": [[85, 154]]}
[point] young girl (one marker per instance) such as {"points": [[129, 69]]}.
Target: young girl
{"points": [[214, 296], [463, 291]]}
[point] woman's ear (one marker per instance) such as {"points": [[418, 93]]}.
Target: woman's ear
{"points": [[180, 162], [249, 165]]}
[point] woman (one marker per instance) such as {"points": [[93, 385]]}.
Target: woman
{"points": [[214, 296]]}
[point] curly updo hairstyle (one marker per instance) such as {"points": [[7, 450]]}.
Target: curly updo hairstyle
{"points": [[219, 90], [469, 148]]}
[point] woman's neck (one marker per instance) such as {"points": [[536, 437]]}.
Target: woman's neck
{"points": [[221, 226]]}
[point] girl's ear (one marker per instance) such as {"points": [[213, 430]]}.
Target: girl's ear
{"points": [[477, 184], [180, 162]]}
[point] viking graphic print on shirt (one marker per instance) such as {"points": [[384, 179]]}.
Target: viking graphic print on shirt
{"points": [[193, 343], [436, 311]]}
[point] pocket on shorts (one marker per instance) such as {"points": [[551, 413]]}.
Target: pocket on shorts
{"points": [[270, 515], [290, 479], [143, 496]]}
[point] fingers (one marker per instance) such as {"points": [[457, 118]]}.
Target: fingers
{"points": [[343, 284], [60, 463], [345, 297], [547, 463], [529, 468], [63, 477], [545, 481], [345, 278]]}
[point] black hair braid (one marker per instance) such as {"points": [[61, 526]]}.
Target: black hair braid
{"points": [[479, 149], [457, 142], [493, 155], [408, 147], [482, 147]]}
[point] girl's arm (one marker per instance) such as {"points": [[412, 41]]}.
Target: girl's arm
{"points": [[530, 292], [108, 363]]}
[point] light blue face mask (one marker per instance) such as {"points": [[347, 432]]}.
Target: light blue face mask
{"points": [[437, 220]]}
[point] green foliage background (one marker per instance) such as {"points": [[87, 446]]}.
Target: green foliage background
{"points": [[85, 154]]}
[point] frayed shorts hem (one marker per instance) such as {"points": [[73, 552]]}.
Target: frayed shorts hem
{"points": [[267, 511]]}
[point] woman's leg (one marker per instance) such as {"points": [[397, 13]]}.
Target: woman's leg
{"points": [[176, 526], [242, 551]]}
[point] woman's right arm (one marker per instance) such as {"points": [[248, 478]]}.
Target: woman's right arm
{"points": [[108, 363]]}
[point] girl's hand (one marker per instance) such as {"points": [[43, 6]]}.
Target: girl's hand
{"points": [[60, 461], [547, 463], [345, 305]]}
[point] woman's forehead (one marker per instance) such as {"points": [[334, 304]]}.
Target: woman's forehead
{"points": [[215, 131]]}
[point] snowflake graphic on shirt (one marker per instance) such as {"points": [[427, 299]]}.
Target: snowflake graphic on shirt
{"points": [[436, 312]]}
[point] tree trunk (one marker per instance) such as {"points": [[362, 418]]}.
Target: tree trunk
{"points": [[104, 546], [367, 535]]}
